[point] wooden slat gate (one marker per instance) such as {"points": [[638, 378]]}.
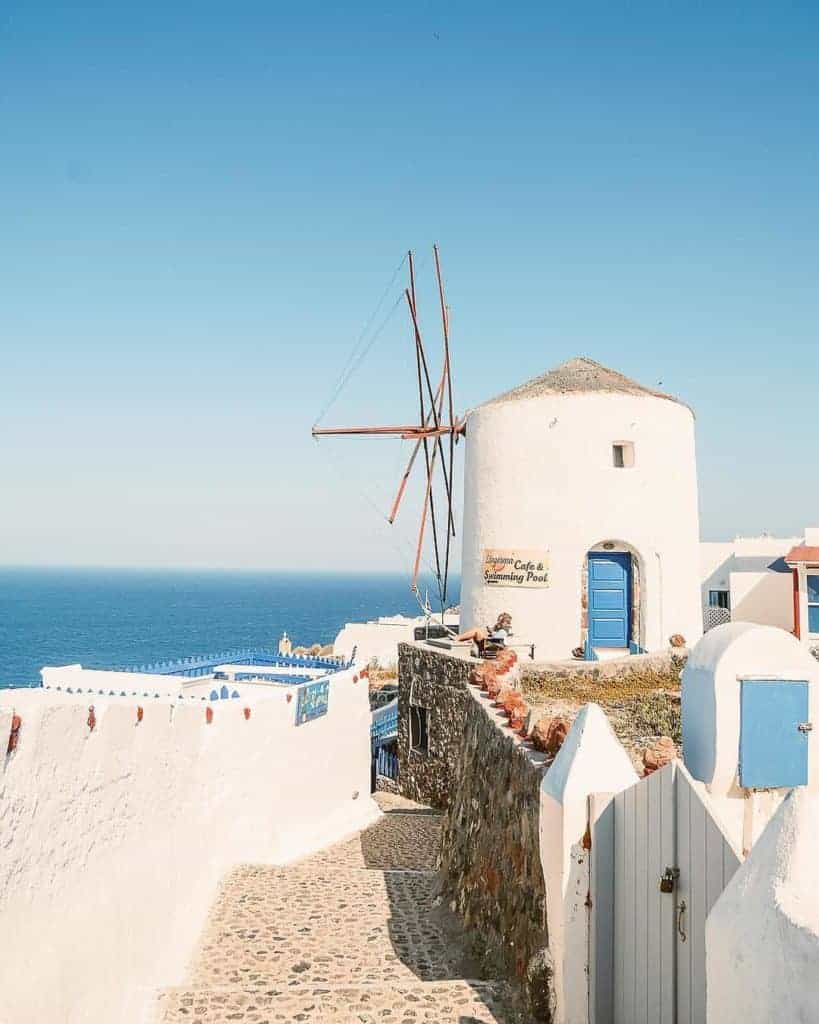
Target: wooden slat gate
{"points": [[647, 955]]}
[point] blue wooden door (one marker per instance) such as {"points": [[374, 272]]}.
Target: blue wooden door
{"points": [[773, 750], [609, 598]]}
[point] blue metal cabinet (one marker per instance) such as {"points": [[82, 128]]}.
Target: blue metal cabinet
{"points": [[774, 730]]}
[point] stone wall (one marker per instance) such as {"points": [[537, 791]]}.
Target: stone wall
{"points": [[490, 853], [488, 779], [438, 682]]}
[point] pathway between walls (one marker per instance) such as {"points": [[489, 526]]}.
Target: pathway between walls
{"points": [[351, 935]]}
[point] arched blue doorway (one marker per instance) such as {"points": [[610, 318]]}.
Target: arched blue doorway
{"points": [[609, 599]]}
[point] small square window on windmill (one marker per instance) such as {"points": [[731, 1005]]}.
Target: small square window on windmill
{"points": [[622, 454]]}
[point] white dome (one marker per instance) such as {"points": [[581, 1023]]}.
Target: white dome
{"points": [[711, 693]]}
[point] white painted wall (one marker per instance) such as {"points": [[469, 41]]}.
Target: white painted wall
{"points": [[762, 597], [762, 935], [113, 841], [248, 689], [591, 760], [380, 638], [714, 556], [100, 682], [539, 474], [136, 684], [756, 594], [711, 716], [270, 670]]}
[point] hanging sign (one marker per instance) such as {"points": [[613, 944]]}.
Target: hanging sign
{"points": [[314, 699], [515, 567]]}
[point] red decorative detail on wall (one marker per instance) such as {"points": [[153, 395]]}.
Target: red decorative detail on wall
{"points": [[289, 697], [247, 713], [208, 715], [139, 714], [355, 679], [14, 735], [92, 718], [797, 632]]}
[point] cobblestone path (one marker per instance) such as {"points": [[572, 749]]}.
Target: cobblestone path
{"points": [[351, 935]]}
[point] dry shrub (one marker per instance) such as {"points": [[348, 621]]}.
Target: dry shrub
{"points": [[655, 714], [581, 687]]}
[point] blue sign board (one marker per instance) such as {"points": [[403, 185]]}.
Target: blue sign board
{"points": [[313, 701]]}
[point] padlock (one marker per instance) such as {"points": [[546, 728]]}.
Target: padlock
{"points": [[669, 877]]}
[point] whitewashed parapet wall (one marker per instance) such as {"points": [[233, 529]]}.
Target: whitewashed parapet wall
{"points": [[539, 475], [762, 935], [91, 682], [115, 837], [591, 760]]}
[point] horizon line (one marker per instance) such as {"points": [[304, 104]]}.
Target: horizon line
{"points": [[201, 568]]}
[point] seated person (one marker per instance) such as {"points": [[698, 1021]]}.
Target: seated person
{"points": [[496, 635]]}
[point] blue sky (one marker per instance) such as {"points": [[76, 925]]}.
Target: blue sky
{"points": [[202, 203]]}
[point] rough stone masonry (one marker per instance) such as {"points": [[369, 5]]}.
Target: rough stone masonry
{"points": [[488, 780]]}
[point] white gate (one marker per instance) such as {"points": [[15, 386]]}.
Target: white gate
{"points": [[647, 956]]}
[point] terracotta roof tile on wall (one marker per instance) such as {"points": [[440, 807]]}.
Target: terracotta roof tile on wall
{"points": [[803, 553]]}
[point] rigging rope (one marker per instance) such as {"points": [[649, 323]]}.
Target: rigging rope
{"points": [[355, 357], [403, 547]]}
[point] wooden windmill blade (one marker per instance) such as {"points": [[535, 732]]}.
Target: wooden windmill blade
{"points": [[428, 434]]}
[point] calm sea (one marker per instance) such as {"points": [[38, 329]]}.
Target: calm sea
{"points": [[115, 618]]}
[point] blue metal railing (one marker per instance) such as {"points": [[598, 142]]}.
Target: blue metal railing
{"points": [[203, 665], [270, 677], [384, 724], [386, 764]]}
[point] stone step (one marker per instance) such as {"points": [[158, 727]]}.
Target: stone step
{"points": [[400, 839], [451, 1002], [326, 926]]}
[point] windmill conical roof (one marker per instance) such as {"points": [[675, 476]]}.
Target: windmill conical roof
{"points": [[575, 376]]}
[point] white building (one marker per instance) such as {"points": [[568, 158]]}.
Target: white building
{"points": [[378, 639], [747, 580], [772, 581], [580, 514], [124, 804]]}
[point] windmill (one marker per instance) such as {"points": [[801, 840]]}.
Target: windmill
{"points": [[436, 422]]}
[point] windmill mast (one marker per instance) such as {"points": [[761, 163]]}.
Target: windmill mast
{"points": [[431, 427], [448, 375]]}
